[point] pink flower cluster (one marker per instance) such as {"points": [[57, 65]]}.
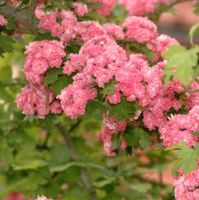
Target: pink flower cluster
{"points": [[94, 67], [105, 6], [38, 100], [40, 56], [187, 186], [69, 28], [65, 29], [3, 21], [192, 98], [100, 60], [142, 30], [81, 9], [142, 7], [75, 97], [35, 97], [111, 128], [181, 128]]}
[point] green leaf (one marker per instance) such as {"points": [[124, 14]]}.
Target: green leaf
{"points": [[44, 36], [186, 157], [95, 109], [180, 63], [118, 14], [122, 111], [194, 31], [64, 167], [196, 72], [29, 164], [59, 155], [104, 182], [6, 43], [109, 88], [196, 8], [137, 48], [137, 137], [51, 76], [62, 82], [29, 183], [11, 24], [72, 48], [196, 133], [141, 187]]}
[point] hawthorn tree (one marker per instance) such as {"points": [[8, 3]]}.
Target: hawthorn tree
{"points": [[93, 98]]}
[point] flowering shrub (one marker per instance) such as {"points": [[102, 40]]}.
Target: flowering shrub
{"points": [[133, 87]]}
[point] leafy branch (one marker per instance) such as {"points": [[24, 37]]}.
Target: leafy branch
{"points": [[23, 16]]}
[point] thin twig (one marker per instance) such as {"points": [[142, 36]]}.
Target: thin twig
{"points": [[84, 177]]}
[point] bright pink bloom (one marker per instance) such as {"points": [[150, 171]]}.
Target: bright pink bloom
{"points": [[81, 9], [55, 107], [180, 128], [115, 98], [64, 30], [140, 29], [3, 21], [163, 42], [74, 99], [187, 186], [142, 7], [36, 100], [87, 30], [111, 128], [40, 56], [105, 6], [192, 99], [114, 31]]}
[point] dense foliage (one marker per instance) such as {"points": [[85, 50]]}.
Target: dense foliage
{"points": [[93, 100]]}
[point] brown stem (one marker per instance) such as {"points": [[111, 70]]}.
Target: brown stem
{"points": [[66, 135], [84, 177]]}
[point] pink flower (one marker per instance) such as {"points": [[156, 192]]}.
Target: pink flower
{"points": [[180, 128], [111, 128], [140, 29], [142, 7], [114, 31], [37, 100], [105, 6], [87, 30], [42, 198], [55, 107], [187, 186], [81, 9], [3, 21], [114, 98], [192, 99], [74, 99], [40, 56], [161, 44], [64, 30], [76, 62]]}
